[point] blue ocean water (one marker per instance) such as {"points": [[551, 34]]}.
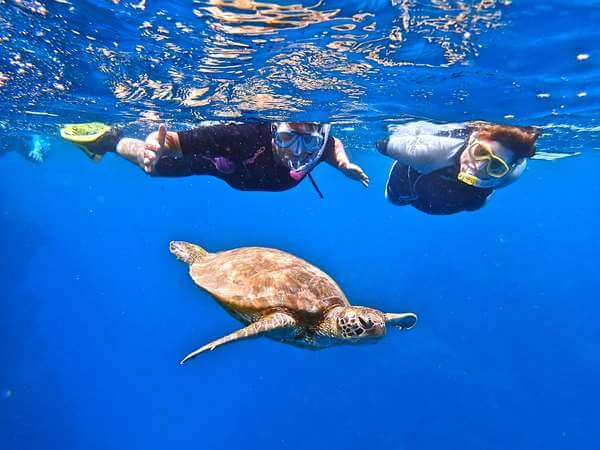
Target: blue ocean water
{"points": [[96, 313]]}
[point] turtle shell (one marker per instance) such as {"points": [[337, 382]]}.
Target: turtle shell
{"points": [[253, 280]]}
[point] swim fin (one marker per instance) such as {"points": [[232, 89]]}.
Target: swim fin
{"points": [[94, 138], [552, 156]]}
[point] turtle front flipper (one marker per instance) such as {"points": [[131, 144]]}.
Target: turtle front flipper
{"points": [[271, 322]]}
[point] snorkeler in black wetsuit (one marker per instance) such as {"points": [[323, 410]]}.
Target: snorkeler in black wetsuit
{"points": [[241, 155], [260, 156]]}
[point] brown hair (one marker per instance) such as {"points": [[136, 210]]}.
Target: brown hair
{"points": [[521, 140], [312, 126]]}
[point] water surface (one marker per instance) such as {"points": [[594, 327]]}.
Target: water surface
{"points": [[96, 313]]}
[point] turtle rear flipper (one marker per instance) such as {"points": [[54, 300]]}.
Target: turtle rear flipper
{"points": [[187, 252]]}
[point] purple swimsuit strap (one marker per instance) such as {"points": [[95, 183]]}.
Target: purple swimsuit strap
{"points": [[227, 166], [254, 157]]}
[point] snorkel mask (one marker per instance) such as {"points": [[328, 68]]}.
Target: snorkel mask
{"points": [[495, 167], [299, 151]]}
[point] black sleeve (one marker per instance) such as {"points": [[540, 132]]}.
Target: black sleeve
{"points": [[235, 141]]}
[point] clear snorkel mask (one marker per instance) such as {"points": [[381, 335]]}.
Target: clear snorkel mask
{"points": [[300, 151]]}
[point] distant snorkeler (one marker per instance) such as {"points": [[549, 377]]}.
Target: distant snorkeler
{"points": [[449, 168], [33, 147], [260, 156]]}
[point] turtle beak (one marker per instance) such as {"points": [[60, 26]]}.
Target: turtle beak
{"points": [[403, 321]]}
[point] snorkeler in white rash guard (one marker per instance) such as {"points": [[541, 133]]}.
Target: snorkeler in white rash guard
{"points": [[447, 168]]}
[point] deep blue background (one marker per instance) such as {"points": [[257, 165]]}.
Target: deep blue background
{"points": [[95, 313]]}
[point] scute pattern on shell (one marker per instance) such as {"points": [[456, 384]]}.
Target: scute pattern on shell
{"points": [[255, 279]]}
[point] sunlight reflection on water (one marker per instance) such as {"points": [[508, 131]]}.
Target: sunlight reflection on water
{"points": [[223, 58]]}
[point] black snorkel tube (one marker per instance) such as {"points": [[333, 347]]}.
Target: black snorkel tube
{"points": [[314, 183]]}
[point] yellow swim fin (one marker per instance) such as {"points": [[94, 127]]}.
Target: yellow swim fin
{"points": [[94, 138]]}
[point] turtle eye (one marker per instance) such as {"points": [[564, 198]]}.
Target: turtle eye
{"points": [[367, 324]]}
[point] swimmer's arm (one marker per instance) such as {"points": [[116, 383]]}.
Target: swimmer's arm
{"points": [[233, 141], [424, 153], [338, 158]]}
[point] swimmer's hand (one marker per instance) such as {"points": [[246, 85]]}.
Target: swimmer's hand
{"points": [[157, 141], [153, 148], [355, 172], [36, 155], [157, 144], [339, 159], [38, 150]]}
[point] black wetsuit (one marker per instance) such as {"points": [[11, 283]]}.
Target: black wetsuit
{"points": [[241, 155], [438, 192]]}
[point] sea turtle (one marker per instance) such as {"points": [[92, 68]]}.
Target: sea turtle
{"points": [[275, 293]]}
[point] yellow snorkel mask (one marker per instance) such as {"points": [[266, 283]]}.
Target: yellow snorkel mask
{"points": [[496, 167]]}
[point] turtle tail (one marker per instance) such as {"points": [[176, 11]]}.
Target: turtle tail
{"points": [[186, 252]]}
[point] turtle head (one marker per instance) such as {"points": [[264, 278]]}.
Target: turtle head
{"points": [[361, 324], [358, 323]]}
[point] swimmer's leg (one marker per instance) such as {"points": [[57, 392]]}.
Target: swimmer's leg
{"points": [[132, 150], [399, 188]]}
